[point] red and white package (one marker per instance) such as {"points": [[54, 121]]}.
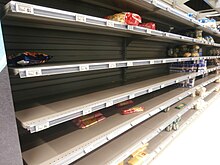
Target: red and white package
{"points": [[149, 25], [132, 110]]}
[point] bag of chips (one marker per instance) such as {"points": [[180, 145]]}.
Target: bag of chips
{"points": [[28, 58], [149, 25], [126, 17], [132, 110]]}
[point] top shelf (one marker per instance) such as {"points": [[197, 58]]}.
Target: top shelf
{"points": [[174, 14], [64, 20]]}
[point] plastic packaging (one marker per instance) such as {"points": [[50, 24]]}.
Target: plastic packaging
{"points": [[89, 120], [28, 58], [132, 110], [124, 103], [126, 17], [149, 25]]}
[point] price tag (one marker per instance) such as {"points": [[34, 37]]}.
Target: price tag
{"points": [[179, 98], [163, 61], [150, 90], [162, 108], [110, 23], [131, 96], [112, 65], [42, 126], [88, 149], [130, 63], [109, 103], [158, 150], [84, 67], [162, 86], [87, 111], [80, 18], [33, 72], [130, 27], [24, 8], [151, 61], [177, 81]]}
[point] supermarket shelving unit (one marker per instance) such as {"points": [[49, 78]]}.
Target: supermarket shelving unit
{"points": [[97, 63]]}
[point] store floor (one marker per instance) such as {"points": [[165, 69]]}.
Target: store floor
{"points": [[198, 144]]}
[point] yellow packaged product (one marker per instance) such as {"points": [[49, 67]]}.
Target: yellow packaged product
{"points": [[144, 147], [138, 160]]}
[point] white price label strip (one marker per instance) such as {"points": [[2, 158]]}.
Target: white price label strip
{"points": [[80, 18], [110, 23], [33, 72], [24, 8], [42, 126], [84, 67]]}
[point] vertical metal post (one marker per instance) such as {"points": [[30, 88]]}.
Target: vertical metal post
{"points": [[124, 57], [10, 152]]}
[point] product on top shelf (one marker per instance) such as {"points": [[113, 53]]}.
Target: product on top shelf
{"points": [[126, 17], [124, 103], [132, 110], [89, 120], [149, 25], [28, 58]]}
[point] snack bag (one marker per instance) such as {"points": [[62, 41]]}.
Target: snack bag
{"points": [[132, 110], [124, 103], [126, 17], [88, 120], [28, 58], [149, 25]]}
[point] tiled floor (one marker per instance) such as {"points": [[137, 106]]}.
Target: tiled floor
{"points": [[198, 144]]}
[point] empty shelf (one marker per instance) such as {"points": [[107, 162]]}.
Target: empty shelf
{"points": [[120, 148], [53, 69], [53, 17], [113, 126], [44, 116]]}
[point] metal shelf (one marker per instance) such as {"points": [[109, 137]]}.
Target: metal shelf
{"points": [[54, 69], [17, 10], [172, 13], [120, 148], [91, 138], [46, 115], [159, 143]]}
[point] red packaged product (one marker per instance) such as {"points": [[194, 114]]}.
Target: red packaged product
{"points": [[149, 25], [88, 120], [132, 110], [124, 103], [126, 17]]}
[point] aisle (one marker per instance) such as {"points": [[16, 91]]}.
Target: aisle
{"points": [[198, 144]]}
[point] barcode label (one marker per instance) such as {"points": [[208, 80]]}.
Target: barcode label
{"points": [[24, 8], [110, 23]]}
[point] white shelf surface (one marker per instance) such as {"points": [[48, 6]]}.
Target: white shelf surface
{"points": [[54, 69], [87, 140], [17, 10]]}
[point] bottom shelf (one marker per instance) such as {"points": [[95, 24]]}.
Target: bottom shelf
{"points": [[157, 144]]}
